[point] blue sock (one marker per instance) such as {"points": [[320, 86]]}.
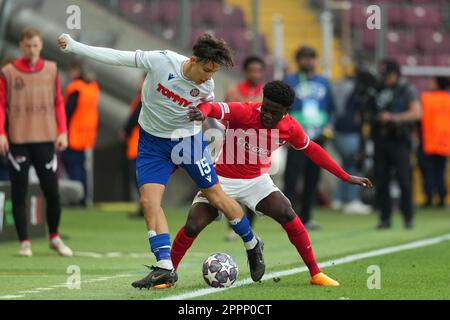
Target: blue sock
{"points": [[243, 229], [160, 246]]}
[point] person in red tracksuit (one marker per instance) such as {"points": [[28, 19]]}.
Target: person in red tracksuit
{"points": [[31, 100]]}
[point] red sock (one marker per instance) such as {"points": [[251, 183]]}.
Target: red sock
{"points": [[299, 238], [53, 236], [180, 245]]}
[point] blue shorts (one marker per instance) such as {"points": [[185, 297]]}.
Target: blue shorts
{"points": [[158, 158]]}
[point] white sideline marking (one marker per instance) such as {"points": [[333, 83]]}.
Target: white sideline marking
{"points": [[347, 259], [202, 292], [63, 285]]}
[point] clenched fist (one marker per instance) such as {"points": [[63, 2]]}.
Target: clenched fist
{"points": [[64, 41]]}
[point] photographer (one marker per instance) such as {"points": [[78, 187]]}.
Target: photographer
{"points": [[351, 96], [396, 110]]}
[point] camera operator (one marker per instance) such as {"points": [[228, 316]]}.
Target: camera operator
{"points": [[396, 110], [350, 96]]}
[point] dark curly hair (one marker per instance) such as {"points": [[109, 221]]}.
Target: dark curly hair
{"points": [[279, 92], [211, 49]]}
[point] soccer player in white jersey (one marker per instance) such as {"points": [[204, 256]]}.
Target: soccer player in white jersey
{"points": [[168, 140]]}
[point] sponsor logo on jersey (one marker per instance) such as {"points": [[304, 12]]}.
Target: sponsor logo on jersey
{"points": [[171, 76], [173, 96]]}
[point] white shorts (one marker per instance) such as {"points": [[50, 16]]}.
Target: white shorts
{"points": [[247, 192]]}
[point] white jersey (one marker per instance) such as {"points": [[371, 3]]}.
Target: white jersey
{"points": [[167, 94]]}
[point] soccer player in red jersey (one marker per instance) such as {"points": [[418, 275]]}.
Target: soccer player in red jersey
{"points": [[254, 131]]}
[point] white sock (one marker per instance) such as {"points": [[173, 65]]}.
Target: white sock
{"points": [[251, 244], [165, 264]]}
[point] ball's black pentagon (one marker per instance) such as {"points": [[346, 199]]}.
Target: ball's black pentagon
{"points": [[221, 257], [205, 268], [232, 274], [215, 284], [222, 276], [215, 266]]}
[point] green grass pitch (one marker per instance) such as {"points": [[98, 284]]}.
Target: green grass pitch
{"points": [[111, 250]]}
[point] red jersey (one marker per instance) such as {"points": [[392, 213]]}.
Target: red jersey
{"points": [[245, 92], [248, 145]]}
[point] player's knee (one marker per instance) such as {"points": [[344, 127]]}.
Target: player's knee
{"points": [[193, 228], [147, 202], [285, 214]]}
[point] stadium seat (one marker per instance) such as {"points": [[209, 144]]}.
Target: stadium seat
{"points": [[211, 12], [207, 13], [431, 41], [396, 16], [428, 2], [358, 15], [442, 59], [168, 10], [412, 59], [399, 42], [423, 17], [234, 16]]}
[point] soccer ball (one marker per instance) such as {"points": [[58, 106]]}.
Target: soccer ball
{"points": [[220, 270]]}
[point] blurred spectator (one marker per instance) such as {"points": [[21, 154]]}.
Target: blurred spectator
{"points": [[435, 140], [250, 89], [130, 136], [313, 109], [348, 142], [30, 97], [81, 98], [396, 111]]}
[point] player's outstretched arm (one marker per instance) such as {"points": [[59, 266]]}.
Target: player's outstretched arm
{"points": [[217, 110], [320, 157], [105, 55]]}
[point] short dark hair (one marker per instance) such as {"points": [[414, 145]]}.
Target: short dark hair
{"points": [[305, 51], [208, 48], [443, 83], [252, 59], [279, 92], [389, 65]]}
